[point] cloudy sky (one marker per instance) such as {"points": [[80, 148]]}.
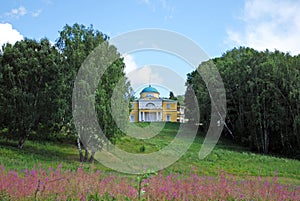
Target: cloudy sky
{"points": [[216, 26]]}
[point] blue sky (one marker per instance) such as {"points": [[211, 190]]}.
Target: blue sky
{"points": [[215, 25]]}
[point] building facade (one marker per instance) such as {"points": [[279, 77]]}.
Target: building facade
{"points": [[151, 108]]}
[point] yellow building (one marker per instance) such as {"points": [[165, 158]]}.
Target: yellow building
{"points": [[150, 107]]}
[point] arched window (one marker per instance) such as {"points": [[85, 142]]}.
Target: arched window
{"points": [[150, 105]]}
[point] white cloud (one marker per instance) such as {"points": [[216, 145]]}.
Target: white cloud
{"points": [[269, 24], [143, 76], [139, 76], [158, 76], [36, 13], [17, 12], [8, 34], [155, 75], [168, 7], [130, 64], [161, 5]]}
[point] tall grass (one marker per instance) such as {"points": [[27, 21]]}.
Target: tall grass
{"points": [[59, 184]]}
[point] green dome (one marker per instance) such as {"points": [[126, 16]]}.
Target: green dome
{"points": [[150, 89]]}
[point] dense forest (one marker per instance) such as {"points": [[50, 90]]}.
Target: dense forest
{"points": [[37, 80], [263, 97]]}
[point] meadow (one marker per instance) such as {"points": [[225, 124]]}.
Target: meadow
{"points": [[51, 170]]}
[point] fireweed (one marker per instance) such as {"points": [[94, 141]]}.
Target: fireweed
{"points": [[58, 184]]}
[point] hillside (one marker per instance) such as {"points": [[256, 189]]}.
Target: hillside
{"points": [[227, 157]]}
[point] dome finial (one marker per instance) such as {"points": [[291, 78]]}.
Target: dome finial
{"points": [[150, 89]]}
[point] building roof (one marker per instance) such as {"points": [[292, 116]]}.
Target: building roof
{"points": [[169, 100], [150, 89]]}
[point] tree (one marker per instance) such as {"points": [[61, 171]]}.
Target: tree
{"points": [[180, 99], [171, 96], [76, 43], [262, 94], [29, 71]]}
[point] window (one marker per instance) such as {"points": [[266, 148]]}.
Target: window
{"points": [[168, 106], [150, 105], [132, 118], [132, 106], [168, 117], [149, 95]]}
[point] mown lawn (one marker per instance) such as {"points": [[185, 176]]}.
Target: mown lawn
{"points": [[233, 159]]}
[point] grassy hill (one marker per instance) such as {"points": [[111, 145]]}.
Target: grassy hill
{"points": [[233, 159]]}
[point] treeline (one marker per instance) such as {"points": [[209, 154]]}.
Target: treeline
{"points": [[263, 99], [37, 80]]}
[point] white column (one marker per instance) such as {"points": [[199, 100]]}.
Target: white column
{"points": [[140, 116]]}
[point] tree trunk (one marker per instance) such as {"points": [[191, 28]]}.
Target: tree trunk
{"points": [[261, 137], [21, 143], [86, 156], [23, 138], [266, 141], [80, 150], [92, 156], [282, 139], [265, 135]]}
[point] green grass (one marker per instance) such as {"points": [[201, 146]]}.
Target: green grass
{"points": [[226, 156], [33, 153]]}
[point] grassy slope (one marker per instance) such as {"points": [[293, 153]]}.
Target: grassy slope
{"points": [[232, 159]]}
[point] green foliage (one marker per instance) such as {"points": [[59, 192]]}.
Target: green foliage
{"points": [[141, 182], [142, 148], [29, 71], [76, 43], [96, 197], [171, 96], [4, 196], [37, 81], [262, 90], [180, 99]]}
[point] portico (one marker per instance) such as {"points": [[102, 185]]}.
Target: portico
{"points": [[150, 116]]}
